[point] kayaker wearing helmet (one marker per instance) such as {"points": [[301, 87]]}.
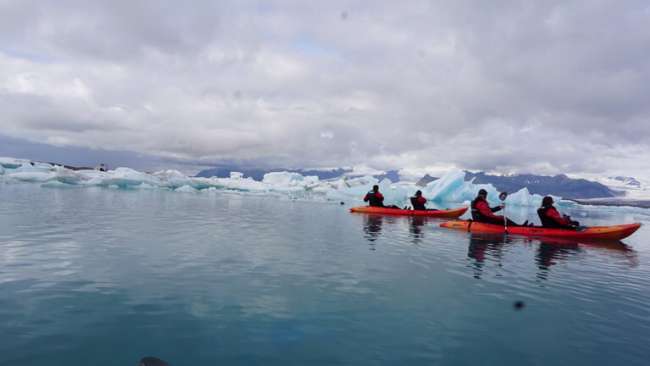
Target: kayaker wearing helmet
{"points": [[418, 202], [552, 218], [482, 212]]}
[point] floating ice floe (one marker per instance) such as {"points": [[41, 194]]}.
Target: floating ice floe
{"points": [[451, 187]]}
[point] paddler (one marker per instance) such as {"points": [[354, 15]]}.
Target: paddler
{"points": [[375, 198], [418, 202], [482, 212], [552, 218]]}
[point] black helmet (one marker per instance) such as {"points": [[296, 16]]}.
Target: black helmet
{"points": [[375, 188], [482, 192], [418, 193]]}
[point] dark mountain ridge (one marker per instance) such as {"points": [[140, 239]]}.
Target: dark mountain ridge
{"points": [[558, 185]]}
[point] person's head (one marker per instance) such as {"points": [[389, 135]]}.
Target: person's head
{"points": [[482, 193], [375, 188], [547, 201], [418, 193]]}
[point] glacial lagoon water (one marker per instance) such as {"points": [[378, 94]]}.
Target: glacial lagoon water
{"points": [[101, 276]]}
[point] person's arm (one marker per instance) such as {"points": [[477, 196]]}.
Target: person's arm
{"points": [[485, 210], [380, 197], [495, 208], [366, 198]]}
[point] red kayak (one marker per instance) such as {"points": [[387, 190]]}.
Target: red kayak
{"points": [[447, 214], [614, 232]]}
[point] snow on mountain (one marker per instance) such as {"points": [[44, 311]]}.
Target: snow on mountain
{"points": [[631, 188]]}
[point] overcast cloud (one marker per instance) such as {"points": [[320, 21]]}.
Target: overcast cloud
{"points": [[506, 86]]}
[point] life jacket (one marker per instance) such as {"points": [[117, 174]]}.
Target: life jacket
{"points": [[418, 203], [548, 221], [476, 214], [374, 199]]}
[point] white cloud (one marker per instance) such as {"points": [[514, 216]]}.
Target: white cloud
{"points": [[542, 87]]}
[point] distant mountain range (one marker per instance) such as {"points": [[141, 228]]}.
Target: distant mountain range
{"points": [[558, 185]]}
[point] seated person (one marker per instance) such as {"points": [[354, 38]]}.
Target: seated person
{"points": [[482, 212], [418, 202], [552, 218], [376, 199]]}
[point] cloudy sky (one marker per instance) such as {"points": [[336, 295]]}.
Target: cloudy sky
{"points": [[504, 86]]}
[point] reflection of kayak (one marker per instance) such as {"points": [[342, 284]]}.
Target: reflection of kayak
{"points": [[614, 232], [448, 214]]}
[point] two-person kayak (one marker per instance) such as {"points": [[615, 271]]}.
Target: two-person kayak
{"points": [[614, 232], [446, 214]]}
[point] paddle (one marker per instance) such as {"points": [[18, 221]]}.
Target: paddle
{"points": [[502, 197]]}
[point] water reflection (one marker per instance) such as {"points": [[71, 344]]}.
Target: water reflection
{"points": [[553, 251], [549, 254], [415, 228], [372, 225], [549, 251], [482, 247]]}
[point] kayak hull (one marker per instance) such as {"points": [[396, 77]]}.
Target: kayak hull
{"points": [[614, 232], [447, 214]]}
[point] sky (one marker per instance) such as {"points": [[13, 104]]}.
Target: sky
{"points": [[540, 87]]}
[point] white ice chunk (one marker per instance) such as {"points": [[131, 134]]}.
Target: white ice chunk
{"points": [[451, 187], [289, 182], [186, 189], [172, 179], [126, 178], [12, 163], [34, 176]]}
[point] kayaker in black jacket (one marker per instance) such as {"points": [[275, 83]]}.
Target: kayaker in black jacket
{"points": [[482, 212], [375, 198], [551, 217], [418, 202]]}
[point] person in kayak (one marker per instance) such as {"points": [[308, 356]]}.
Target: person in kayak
{"points": [[375, 198], [418, 202], [482, 212], [551, 217]]}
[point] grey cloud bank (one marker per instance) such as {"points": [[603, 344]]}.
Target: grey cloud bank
{"points": [[507, 86]]}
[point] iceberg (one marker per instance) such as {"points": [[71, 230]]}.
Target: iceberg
{"points": [[186, 189], [450, 188]]}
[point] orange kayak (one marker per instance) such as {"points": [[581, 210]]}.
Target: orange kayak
{"points": [[614, 232], [447, 214]]}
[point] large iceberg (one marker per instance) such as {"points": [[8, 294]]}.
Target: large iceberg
{"points": [[450, 188]]}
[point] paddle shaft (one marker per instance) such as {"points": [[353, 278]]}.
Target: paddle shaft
{"points": [[503, 196]]}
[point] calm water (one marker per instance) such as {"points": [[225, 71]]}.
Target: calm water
{"points": [[105, 277]]}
